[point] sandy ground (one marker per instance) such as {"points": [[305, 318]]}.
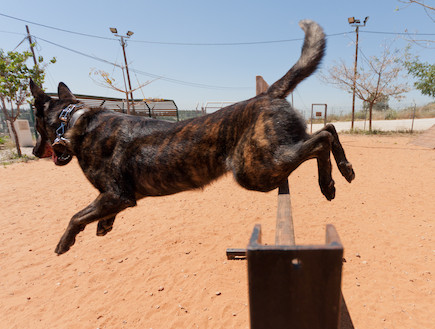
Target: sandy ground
{"points": [[164, 264]]}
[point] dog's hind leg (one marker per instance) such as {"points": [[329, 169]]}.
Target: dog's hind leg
{"points": [[343, 165], [105, 207], [317, 146], [320, 146], [105, 226]]}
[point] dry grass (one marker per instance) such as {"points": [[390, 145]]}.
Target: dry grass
{"points": [[421, 112]]}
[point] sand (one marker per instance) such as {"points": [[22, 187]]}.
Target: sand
{"points": [[164, 263]]}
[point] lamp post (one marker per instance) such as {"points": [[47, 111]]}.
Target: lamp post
{"points": [[122, 37], [356, 23]]}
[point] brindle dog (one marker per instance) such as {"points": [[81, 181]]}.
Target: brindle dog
{"points": [[260, 140]]}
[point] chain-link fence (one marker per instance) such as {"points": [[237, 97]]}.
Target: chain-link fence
{"points": [[386, 112], [25, 114], [401, 111]]}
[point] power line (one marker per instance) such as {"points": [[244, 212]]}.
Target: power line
{"points": [[176, 81], [396, 33], [56, 28], [215, 43], [206, 43], [10, 32], [247, 43], [160, 42], [78, 52], [185, 83]]}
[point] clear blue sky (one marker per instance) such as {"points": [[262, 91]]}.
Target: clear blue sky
{"points": [[192, 21]]}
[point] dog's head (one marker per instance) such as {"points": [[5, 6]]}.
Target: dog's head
{"points": [[47, 122]]}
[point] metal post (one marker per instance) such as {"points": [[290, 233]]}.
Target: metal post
{"points": [[130, 91], [311, 129], [413, 118], [357, 23], [126, 92], [126, 69], [354, 76]]}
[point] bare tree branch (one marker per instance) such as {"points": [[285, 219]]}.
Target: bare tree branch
{"points": [[105, 80], [430, 12], [409, 2], [371, 86]]}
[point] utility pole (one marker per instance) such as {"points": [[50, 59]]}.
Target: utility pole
{"points": [[357, 23], [128, 74], [129, 34], [29, 37], [355, 70]]}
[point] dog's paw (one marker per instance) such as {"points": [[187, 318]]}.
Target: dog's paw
{"points": [[346, 170], [61, 248], [105, 226], [328, 189], [65, 243], [102, 231]]}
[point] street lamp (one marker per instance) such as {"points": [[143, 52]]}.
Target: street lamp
{"points": [[127, 36], [356, 23]]}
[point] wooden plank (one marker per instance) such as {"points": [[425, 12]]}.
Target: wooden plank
{"points": [[294, 286], [261, 85], [284, 232], [236, 253]]}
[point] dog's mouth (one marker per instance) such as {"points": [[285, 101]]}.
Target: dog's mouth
{"points": [[62, 159], [60, 155]]}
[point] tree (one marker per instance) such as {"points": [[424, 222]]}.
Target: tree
{"points": [[374, 83], [14, 80], [380, 105], [421, 3], [107, 81], [423, 72], [430, 12]]}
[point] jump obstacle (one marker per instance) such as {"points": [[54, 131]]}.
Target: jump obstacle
{"points": [[294, 286]]}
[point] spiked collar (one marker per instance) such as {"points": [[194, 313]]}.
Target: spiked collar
{"points": [[68, 118]]}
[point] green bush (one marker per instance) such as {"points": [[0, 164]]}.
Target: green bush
{"points": [[2, 140]]}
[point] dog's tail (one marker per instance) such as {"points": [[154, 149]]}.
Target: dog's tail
{"points": [[311, 55]]}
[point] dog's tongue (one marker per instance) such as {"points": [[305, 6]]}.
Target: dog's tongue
{"points": [[54, 157], [48, 151]]}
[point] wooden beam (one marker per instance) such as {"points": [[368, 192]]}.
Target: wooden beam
{"points": [[284, 233], [261, 85]]}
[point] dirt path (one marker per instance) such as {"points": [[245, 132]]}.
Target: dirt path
{"points": [[164, 264]]}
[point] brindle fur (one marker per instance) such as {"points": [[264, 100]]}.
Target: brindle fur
{"points": [[260, 140]]}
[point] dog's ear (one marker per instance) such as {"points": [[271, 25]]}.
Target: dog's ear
{"points": [[41, 98], [37, 92], [64, 92]]}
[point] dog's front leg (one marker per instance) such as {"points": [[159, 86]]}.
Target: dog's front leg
{"points": [[104, 208]]}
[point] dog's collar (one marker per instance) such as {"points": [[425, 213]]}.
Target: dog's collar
{"points": [[68, 118]]}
